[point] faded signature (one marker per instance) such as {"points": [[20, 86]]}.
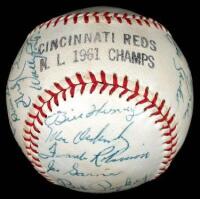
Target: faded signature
{"points": [[61, 117], [76, 171], [113, 148], [104, 185], [26, 73], [184, 79], [171, 40]]}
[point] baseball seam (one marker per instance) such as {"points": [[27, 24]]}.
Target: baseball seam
{"points": [[35, 118], [97, 17]]}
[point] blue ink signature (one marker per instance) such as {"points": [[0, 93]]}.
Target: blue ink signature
{"points": [[103, 185], [62, 117], [51, 167], [113, 154], [92, 137], [56, 136], [171, 40], [75, 171], [29, 66], [114, 151], [52, 153], [106, 185], [183, 79], [12, 111], [68, 184]]}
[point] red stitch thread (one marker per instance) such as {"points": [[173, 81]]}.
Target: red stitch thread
{"points": [[135, 92], [49, 106], [171, 119], [71, 85], [81, 81], [33, 150], [145, 20], [30, 133], [54, 96], [103, 80], [48, 23], [35, 117], [94, 82], [145, 99], [115, 84], [124, 86], [153, 102], [107, 17], [40, 110], [31, 140], [140, 20], [96, 17], [119, 19], [86, 17], [36, 159], [66, 19], [38, 165], [164, 117], [128, 20], [75, 18], [57, 20], [41, 99], [35, 128], [155, 24]]}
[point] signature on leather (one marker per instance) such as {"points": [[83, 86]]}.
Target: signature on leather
{"points": [[26, 74]]}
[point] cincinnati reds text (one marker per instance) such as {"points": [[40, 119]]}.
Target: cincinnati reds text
{"points": [[127, 48]]}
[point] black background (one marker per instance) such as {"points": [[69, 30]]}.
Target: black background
{"points": [[17, 20]]}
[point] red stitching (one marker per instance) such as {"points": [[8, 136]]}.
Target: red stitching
{"points": [[128, 20], [40, 110], [81, 81], [94, 82], [71, 86], [86, 17], [31, 138], [103, 80], [95, 15], [119, 19], [66, 19], [145, 95], [153, 102], [139, 21], [124, 86], [107, 17], [57, 20], [35, 117], [115, 84], [145, 20], [75, 18], [135, 91], [49, 23]]}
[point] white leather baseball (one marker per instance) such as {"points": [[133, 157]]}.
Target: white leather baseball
{"points": [[100, 100]]}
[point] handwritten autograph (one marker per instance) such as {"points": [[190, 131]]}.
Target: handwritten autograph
{"points": [[26, 72], [171, 40], [61, 117], [103, 185], [114, 148], [75, 171], [184, 79]]}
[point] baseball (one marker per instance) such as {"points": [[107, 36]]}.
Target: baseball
{"points": [[100, 100]]}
